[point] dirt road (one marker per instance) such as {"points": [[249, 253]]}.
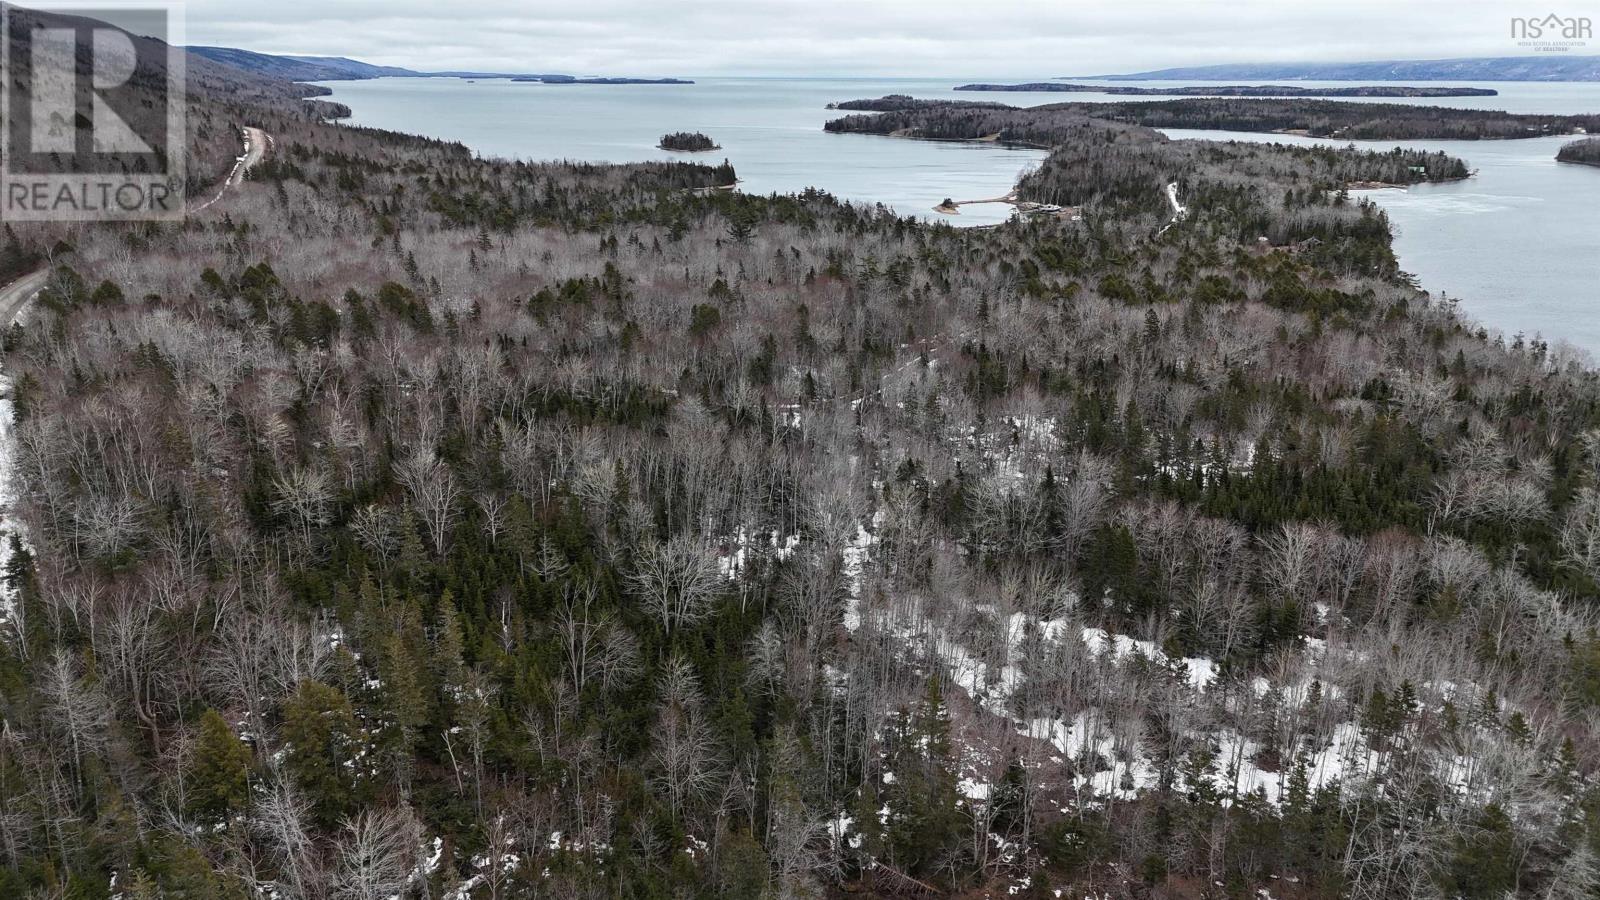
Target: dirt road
{"points": [[256, 143], [14, 296]]}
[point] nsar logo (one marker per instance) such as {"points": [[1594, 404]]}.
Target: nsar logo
{"points": [[1552, 32]]}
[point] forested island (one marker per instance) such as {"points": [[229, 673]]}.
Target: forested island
{"points": [[419, 525], [1317, 118], [1268, 90], [688, 141], [1586, 152], [903, 102]]}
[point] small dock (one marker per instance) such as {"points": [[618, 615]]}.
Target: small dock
{"points": [[1023, 207]]}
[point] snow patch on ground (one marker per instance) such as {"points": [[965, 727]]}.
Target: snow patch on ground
{"points": [[855, 562], [1201, 670], [9, 608], [744, 545], [1106, 749], [1018, 448]]}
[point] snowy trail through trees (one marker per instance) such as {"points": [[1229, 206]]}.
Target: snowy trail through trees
{"points": [[14, 300]]}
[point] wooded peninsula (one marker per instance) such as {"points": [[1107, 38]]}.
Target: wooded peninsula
{"points": [[1315, 118], [1586, 151]]}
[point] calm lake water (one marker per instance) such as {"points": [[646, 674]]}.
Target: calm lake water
{"points": [[770, 129], [1518, 244]]}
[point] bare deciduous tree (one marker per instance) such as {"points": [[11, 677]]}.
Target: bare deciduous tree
{"points": [[676, 581], [1580, 533], [303, 496], [433, 491], [282, 819], [687, 754], [377, 854]]}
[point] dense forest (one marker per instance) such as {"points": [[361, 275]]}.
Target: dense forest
{"points": [[1586, 151], [427, 526], [691, 141], [1318, 118]]}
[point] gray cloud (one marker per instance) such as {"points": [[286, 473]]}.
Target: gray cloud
{"points": [[845, 37]]}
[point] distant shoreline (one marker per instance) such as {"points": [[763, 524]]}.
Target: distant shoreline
{"points": [[562, 79], [312, 69], [1539, 68], [1235, 90]]}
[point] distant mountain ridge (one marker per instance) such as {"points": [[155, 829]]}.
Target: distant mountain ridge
{"points": [[290, 68], [341, 68], [355, 67], [1502, 68]]}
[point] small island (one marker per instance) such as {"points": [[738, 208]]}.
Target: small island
{"points": [[688, 142], [1585, 152]]}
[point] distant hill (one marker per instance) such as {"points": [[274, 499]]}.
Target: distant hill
{"points": [[341, 68], [355, 67], [1504, 68], [218, 96], [288, 68]]}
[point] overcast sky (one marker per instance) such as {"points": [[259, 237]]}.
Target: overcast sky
{"points": [[1039, 38]]}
